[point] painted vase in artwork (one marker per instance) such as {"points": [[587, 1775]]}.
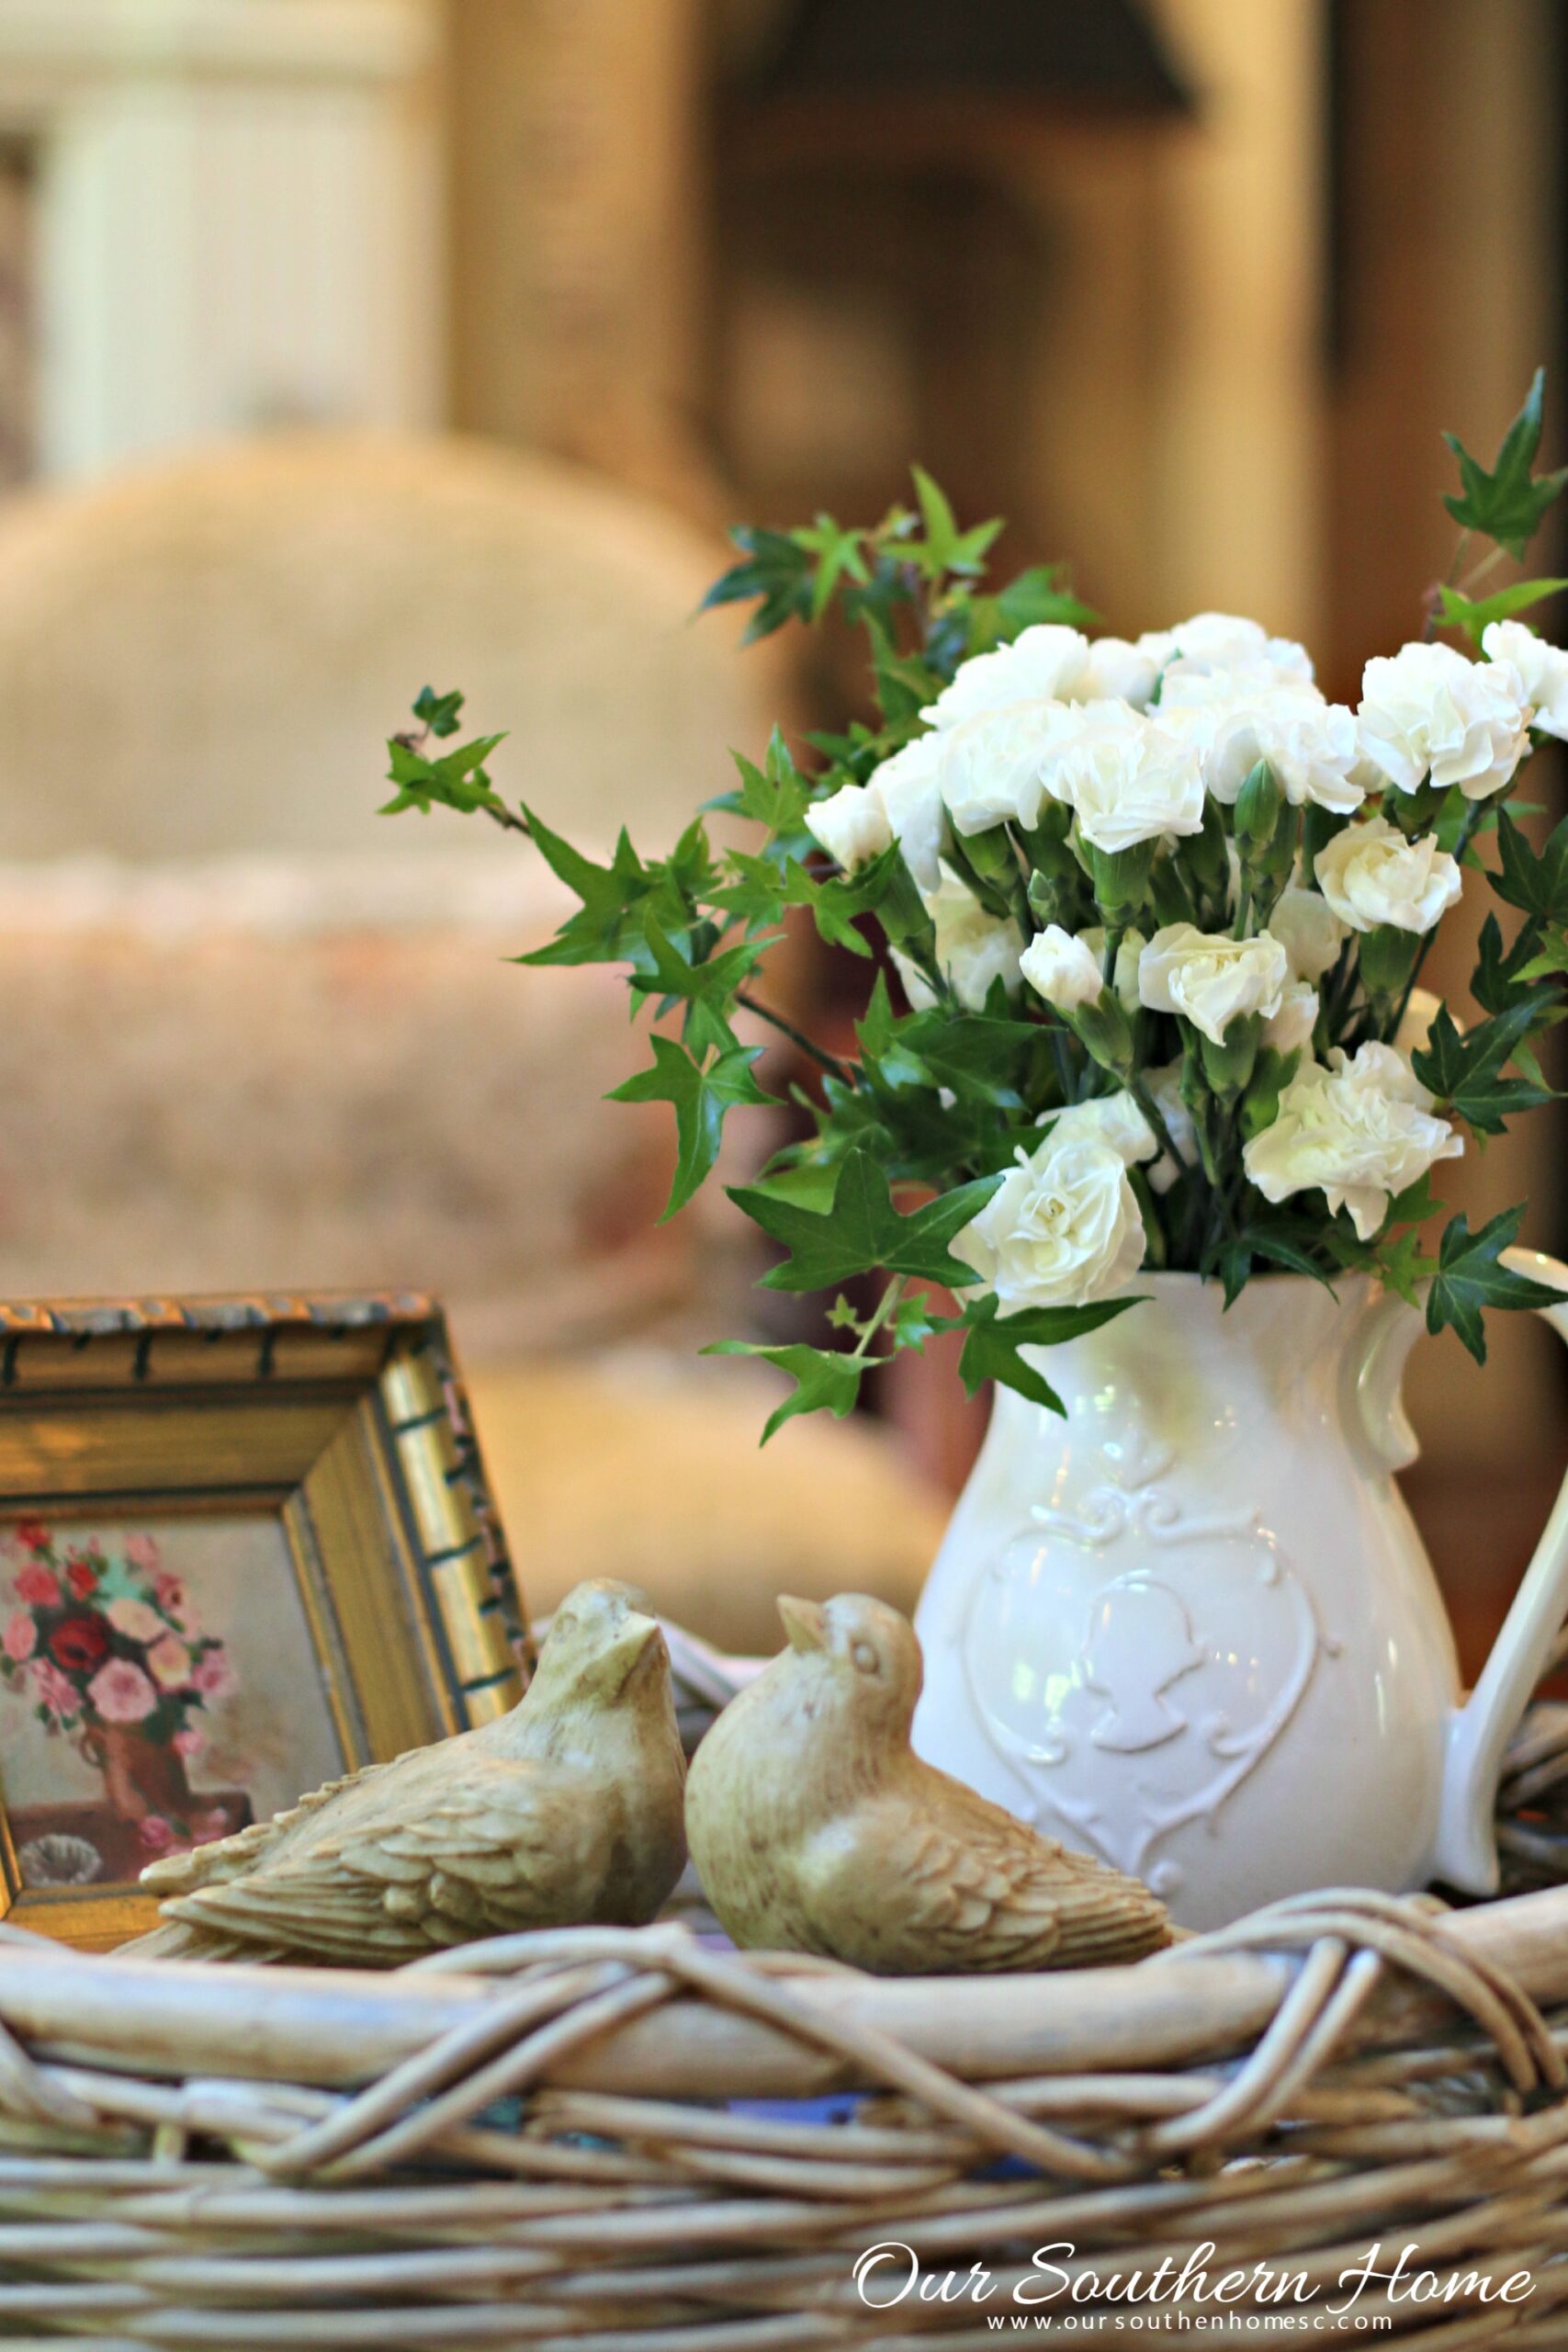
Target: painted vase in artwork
{"points": [[1191, 1627], [142, 1777], [103, 1646]]}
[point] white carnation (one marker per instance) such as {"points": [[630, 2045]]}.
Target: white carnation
{"points": [[1369, 875], [1042, 664], [1358, 1131], [1291, 1028], [850, 825], [1117, 672], [1211, 641], [990, 765], [1062, 1228], [1542, 669], [909, 789], [1061, 969], [1312, 746], [1308, 930], [1210, 978], [972, 948], [1127, 779], [1427, 711]]}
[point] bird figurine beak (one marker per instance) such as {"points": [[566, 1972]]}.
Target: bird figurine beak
{"points": [[638, 1638], [804, 1623]]}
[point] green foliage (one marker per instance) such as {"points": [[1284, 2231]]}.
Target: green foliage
{"points": [[822, 1378], [1469, 1275], [703, 1092], [457, 780], [1467, 1072], [992, 1341], [1474, 616], [904, 1134], [1508, 503], [860, 1231]]}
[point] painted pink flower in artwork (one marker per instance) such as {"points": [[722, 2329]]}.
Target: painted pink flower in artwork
{"points": [[189, 1742], [121, 1693], [214, 1677], [169, 1592], [37, 1586], [142, 1553], [20, 1636], [52, 1689], [82, 1575], [32, 1533], [156, 1834], [135, 1620], [168, 1662]]}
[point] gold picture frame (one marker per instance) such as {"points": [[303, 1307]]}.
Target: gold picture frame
{"points": [[334, 1429]]}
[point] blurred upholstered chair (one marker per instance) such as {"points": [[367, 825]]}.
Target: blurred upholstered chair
{"points": [[254, 1038]]}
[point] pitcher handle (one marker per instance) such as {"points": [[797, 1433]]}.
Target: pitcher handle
{"points": [[1479, 1731]]}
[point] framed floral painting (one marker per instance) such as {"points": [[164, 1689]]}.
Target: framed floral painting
{"points": [[245, 1545]]}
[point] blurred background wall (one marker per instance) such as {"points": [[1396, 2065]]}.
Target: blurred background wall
{"points": [[345, 343]]}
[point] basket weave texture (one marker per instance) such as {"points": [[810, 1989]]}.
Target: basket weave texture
{"points": [[576, 2139]]}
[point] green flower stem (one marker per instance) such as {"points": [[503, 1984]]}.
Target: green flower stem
{"points": [[1138, 1089], [1243, 904], [824, 1060], [879, 1315], [1473, 817], [1115, 934]]}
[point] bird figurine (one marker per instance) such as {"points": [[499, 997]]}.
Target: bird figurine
{"points": [[567, 1811], [814, 1827]]}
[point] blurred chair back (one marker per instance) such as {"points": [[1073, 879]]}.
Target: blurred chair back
{"points": [[204, 656]]}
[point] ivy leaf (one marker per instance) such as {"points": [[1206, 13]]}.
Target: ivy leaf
{"points": [[821, 1378], [1503, 974], [1470, 1276], [862, 1229], [1474, 616], [706, 985], [775, 795], [1404, 1266], [913, 1321], [1039, 594], [1538, 884], [1466, 1072], [1551, 960], [992, 1341], [978, 1057], [1508, 503], [774, 571], [945, 548], [438, 712], [604, 930], [457, 780], [839, 556], [702, 1092]]}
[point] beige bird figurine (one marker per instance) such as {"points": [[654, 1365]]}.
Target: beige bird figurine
{"points": [[814, 1827], [566, 1811]]}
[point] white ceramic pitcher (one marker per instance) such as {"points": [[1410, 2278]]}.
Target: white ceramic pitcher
{"points": [[1192, 1629]]}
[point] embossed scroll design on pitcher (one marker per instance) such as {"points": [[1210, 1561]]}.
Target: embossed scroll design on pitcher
{"points": [[1131, 1661]]}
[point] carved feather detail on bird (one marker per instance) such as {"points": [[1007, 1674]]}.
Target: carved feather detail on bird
{"points": [[567, 1811], [814, 1827]]}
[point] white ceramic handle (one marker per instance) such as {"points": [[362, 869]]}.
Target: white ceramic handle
{"points": [[1479, 1732]]}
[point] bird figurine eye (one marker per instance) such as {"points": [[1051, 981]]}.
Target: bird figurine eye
{"points": [[863, 1657]]}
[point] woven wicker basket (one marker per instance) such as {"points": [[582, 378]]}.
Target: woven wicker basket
{"points": [[572, 2139]]}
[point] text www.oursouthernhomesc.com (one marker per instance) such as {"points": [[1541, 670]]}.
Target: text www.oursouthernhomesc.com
{"points": [[1192, 2297]]}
